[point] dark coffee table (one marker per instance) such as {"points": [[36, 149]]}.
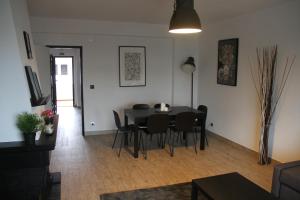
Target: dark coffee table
{"points": [[230, 186]]}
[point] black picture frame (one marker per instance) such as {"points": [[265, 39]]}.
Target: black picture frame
{"points": [[37, 85], [27, 45], [135, 54], [228, 61], [31, 83]]}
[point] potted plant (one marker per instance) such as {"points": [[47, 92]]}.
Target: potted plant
{"points": [[29, 124]]}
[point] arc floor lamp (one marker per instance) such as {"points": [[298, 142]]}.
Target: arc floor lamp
{"points": [[189, 67]]}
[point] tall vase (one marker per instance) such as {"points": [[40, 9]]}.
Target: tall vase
{"points": [[264, 146]]}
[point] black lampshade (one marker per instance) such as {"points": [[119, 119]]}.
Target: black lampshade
{"points": [[189, 65], [184, 18]]}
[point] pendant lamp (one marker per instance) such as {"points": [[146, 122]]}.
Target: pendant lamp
{"points": [[184, 19]]}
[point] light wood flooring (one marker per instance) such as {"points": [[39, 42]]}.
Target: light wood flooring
{"points": [[90, 167]]}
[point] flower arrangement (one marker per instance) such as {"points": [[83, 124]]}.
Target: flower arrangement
{"points": [[48, 116]]}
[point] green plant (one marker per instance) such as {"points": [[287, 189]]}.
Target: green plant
{"points": [[28, 123]]}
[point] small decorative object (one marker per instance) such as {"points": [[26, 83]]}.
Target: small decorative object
{"points": [[132, 66], [29, 124], [48, 116], [48, 129], [227, 61], [163, 107], [269, 83], [28, 45]]}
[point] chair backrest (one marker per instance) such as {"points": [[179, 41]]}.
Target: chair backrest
{"points": [[140, 106], [158, 123], [203, 109], [157, 106], [203, 113], [185, 121], [117, 119]]}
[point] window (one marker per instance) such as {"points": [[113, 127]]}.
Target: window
{"points": [[64, 69]]}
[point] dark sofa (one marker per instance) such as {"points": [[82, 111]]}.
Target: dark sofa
{"points": [[286, 181]]}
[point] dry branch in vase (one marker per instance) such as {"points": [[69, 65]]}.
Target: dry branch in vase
{"points": [[269, 85]]}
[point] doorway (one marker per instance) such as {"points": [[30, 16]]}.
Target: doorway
{"points": [[66, 86], [64, 68]]}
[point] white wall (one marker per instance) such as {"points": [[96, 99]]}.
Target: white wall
{"points": [[14, 95], [22, 23], [233, 110], [100, 41], [43, 65]]}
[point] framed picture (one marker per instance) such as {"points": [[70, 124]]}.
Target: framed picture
{"points": [[132, 66], [28, 45], [227, 61], [35, 96]]}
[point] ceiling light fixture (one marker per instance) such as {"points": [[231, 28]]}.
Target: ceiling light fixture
{"points": [[184, 19]]}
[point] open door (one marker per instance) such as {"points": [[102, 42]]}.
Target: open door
{"points": [[53, 84]]}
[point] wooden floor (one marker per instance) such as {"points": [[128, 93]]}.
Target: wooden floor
{"points": [[90, 167]]}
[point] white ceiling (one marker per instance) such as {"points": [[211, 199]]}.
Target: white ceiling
{"points": [[143, 11]]}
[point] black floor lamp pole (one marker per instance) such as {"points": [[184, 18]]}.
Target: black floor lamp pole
{"points": [[192, 92]]}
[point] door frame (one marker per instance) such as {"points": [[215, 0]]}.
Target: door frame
{"points": [[72, 75], [81, 78]]}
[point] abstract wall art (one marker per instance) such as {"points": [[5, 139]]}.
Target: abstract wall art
{"points": [[227, 61], [132, 66]]}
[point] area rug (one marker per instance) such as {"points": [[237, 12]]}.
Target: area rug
{"points": [[171, 192]]}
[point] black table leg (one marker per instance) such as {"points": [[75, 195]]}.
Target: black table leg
{"points": [[126, 134], [185, 137], [202, 137], [136, 143], [194, 191]]}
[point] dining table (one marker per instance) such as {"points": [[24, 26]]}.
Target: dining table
{"points": [[140, 115]]}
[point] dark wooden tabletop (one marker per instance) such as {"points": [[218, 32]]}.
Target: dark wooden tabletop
{"points": [[134, 114], [45, 143], [231, 186]]}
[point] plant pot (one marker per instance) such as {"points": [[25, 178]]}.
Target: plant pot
{"points": [[48, 120], [29, 138]]}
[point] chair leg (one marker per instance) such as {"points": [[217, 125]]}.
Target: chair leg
{"points": [[130, 138], [115, 139], [206, 141], [195, 141], [141, 142], [121, 145], [140, 138], [172, 149], [186, 138], [146, 146], [164, 137]]}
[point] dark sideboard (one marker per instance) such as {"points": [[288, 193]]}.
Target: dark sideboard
{"points": [[24, 170]]}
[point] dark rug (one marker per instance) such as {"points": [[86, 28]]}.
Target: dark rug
{"points": [[180, 191]]}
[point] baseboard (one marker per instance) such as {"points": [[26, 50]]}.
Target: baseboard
{"points": [[104, 132], [236, 145]]}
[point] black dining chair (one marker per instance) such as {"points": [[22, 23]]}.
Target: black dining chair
{"points": [[198, 124], [184, 124], [158, 105], [122, 130], [157, 124], [141, 124]]}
